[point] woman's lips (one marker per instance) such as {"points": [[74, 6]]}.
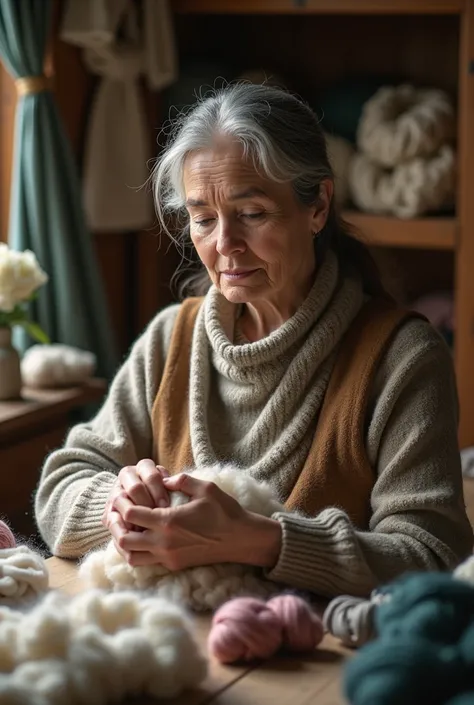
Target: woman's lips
{"points": [[237, 274]]}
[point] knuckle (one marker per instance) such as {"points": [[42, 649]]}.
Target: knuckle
{"points": [[134, 490], [210, 489], [146, 464], [172, 562], [128, 515], [124, 471]]}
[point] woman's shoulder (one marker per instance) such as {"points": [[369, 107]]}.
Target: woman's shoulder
{"points": [[416, 353], [416, 337], [158, 333]]}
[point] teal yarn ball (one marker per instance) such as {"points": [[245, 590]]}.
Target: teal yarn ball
{"points": [[431, 605], [463, 699], [466, 647], [403, 671], [425, 646]]}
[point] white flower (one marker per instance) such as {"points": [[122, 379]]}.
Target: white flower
{"points": [[20, 277]]}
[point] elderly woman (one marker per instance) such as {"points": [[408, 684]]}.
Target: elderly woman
{"points": [[293, 367]]}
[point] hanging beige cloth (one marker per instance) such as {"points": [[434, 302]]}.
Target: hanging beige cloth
{"points": [[118, 145]]}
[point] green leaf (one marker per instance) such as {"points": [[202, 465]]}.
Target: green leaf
{"points": [[35, 331]]}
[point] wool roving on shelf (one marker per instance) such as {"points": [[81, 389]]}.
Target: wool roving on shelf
{"points": [[204, 587]]}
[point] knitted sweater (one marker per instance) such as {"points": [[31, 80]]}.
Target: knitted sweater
{"points": [[253, 404]]}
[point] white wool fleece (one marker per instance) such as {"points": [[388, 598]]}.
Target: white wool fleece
{"points": [[204, 587], [96, 648], [23, 575]]}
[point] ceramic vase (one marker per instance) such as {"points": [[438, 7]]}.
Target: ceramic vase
{"points": [[10, 371]]}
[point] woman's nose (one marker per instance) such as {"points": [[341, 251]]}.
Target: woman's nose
{"points": [[229, 240]]}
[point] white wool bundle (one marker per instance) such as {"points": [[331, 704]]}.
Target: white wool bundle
{"points": [[200, 588], [340, 153], [56, 365], [23, 575], [408, 190], [96, 648], [401, 123]]}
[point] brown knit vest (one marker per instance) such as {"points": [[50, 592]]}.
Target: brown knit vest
{"points": [[336, 472]]}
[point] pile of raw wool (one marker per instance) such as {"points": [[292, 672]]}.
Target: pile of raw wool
{"points": [[92, 648], [23, 573], [96, 648], [202, 588]]}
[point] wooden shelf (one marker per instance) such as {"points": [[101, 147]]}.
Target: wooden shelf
{"points": [[420, 233], [37, 406], [333, 7]]}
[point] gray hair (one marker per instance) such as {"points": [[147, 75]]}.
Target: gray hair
{"points": [[278, 132]]}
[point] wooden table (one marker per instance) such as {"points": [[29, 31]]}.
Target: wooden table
{"points": [[311, 680], [30, 428]]}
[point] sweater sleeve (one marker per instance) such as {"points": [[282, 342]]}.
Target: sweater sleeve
{"points": [[76, 479], [418, 518]]}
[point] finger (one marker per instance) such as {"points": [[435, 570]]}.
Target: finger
{"points": [[117, 529], [136, 541], [121, 505], [189, 485], [152, 478], [163, 471], [137, 558], [134, 487], [144, 516]]}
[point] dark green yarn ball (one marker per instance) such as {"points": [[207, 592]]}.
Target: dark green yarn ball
{"points": [[431, 605], [463, 699], [425, 646], [403, 671]]}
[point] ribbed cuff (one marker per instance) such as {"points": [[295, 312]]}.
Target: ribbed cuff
{"points": [[321, 555], [83, 530]]}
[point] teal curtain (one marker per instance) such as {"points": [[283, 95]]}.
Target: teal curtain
{"points": [[46, 213]]}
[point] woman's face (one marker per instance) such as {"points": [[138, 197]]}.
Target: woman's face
{"points": [[252, 234]]}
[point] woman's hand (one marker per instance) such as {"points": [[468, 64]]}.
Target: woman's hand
{"points": [[141, 484], [211, 528]]}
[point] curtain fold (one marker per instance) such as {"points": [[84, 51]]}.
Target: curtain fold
{"points": [[46, 212]]}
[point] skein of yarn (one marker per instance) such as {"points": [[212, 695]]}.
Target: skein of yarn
{"points": [[425, 646], [302, 628], [7, 540], [351, 619], [246, 629]]}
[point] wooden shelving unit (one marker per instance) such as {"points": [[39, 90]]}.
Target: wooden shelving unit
{"points": [[418, 233], [431, 42], [333, 7]]}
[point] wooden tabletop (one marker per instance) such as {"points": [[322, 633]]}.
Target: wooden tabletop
{"points": [[309, 680]]}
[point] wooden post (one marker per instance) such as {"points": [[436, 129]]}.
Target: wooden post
{"points": [[464, 350], [7, 122]]}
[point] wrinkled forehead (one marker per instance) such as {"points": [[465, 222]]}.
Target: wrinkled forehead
{"points": [[224, 170]]}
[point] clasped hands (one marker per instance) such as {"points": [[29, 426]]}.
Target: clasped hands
{"points": [[211, 528]]}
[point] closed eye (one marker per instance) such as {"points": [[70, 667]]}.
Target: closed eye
{"points": [[253, 216], [204, 222]]}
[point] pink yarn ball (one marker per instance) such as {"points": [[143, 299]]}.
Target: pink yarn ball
{"points": [[302, 629], [7, 540], [244, 629]]}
